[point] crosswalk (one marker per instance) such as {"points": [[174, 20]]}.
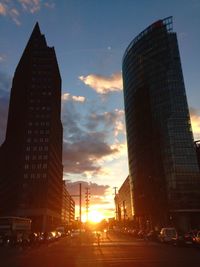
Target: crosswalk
{"points": [[114, 243]]}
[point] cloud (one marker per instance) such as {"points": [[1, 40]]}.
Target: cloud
{"points": [[83, 155], [112, 119], [14, 9], [2, 9], [30, 6], [97, 191], [49, 5], [195, 121], [103, 85], [2, 58], [68, 97], [88, 138]]}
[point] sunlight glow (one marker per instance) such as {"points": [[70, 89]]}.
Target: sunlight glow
{"points": [[94, 216]]}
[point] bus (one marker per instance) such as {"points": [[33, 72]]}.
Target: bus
{"points": [[14, 227]]}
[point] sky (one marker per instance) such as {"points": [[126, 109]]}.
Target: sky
{"points": [[90, 37]]}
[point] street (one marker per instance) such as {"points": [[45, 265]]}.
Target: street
{"points": [[114, 250]]}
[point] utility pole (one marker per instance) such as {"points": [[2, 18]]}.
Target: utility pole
{"points": [[115, 188], [80, 202], [87, 202]]}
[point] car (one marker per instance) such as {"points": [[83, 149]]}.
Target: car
{"points": [[152, 235], [167, 234], [141, 234], [179, 239], [189, 238], [75, 233], [196, 239]]}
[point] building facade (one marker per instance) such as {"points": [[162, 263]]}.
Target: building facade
{"points": [[197, 146], [164, 174], [31, 156], [68, 207], [123, 202]]}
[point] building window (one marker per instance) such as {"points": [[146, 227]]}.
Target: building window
{"points": [[33, 166], [39, 166], [44, 166], [26, 166]]}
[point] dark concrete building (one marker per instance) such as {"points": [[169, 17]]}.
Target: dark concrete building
{"points": [[31, 156], [163, 165]]}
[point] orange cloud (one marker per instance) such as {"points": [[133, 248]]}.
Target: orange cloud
{"points": [[2, 9], [102, 84], [13, 9]]}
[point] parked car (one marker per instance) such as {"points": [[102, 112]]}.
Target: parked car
{"points": [[134, 232], [196, 239], [153, 235], [179, 239], [167, 234], [75, 233], [141, 234], [189, 237]]}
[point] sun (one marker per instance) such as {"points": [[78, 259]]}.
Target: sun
{"points": [[95, 216]]}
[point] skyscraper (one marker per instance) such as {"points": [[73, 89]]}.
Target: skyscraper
{"points": [[164, 174], [31, 156]]}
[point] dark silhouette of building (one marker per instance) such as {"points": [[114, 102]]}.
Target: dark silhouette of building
{"points": [[31, 156], [197, 146], [163, 166]]}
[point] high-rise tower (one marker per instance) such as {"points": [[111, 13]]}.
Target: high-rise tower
{"points": [[164, 174], [31, 156]]}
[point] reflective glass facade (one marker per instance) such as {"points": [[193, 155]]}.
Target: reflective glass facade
{"points": [[163, 166]]}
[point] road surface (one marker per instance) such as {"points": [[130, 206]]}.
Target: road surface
{"points": [[114, 250]]}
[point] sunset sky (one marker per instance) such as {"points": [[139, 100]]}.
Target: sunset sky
{"points": [[90, 37]]}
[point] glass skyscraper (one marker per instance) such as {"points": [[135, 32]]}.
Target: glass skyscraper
{"points": [[164, 174]]}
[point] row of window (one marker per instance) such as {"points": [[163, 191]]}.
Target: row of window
{"points": [[30, 132], [35, 175], [37, 148], [42, 85], [41, 123], [36, 140], [35, 157], [35, 166], [43, 79], [43, 93]]}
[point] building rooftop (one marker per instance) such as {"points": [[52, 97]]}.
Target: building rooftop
{"points": [[166, 22]]}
